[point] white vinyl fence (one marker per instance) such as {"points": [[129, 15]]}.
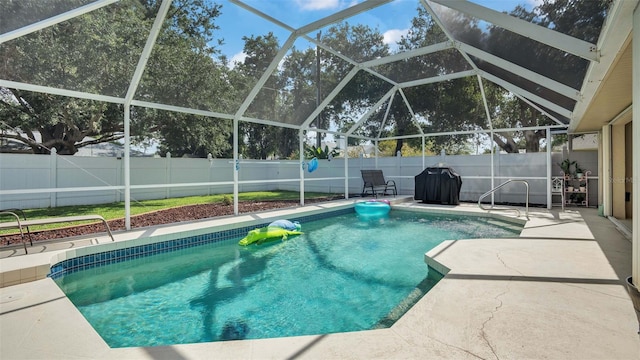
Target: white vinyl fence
{"points": [[37, 181]]}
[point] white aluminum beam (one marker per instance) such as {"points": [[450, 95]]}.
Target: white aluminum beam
{"points": [[265, 76], [146, 51], [529, 30], [412, 136], [380, 76], [517, 90], [485, 102], [340, 15], [471, 132], [268, 122], [525, 73], [543, 111], [301, 165], [62, 92], [330, 97], [371, 110], [549, 165], [438, 22], [383, 123], [439, 78], [413, 115], [262, 15], [348, 59], [133, 85], [411, 53], [181, 109], [54, 20]]}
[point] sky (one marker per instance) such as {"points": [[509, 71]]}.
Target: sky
{"points": [[392, 20]]}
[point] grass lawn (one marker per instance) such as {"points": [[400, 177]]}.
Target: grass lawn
{"points": [[116, 210]]}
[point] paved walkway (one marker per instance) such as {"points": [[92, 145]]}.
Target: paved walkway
{"points": [[555, 292]]}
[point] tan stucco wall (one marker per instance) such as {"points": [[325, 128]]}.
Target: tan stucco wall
{"points": [[621, 167], [618, 173], [628, 168]]}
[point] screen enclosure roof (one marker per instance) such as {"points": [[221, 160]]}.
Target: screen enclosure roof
{"points": [[318, 65]]}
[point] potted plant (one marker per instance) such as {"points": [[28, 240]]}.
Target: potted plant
{"points": [[566, 165], [579, 171]]}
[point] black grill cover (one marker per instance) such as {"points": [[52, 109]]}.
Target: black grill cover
{"points": [[438, 185]]}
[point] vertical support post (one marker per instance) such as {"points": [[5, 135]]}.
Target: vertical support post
{"points": [[549, 163], [605, 178], [167, 175], [53, 173], [492, 169], [236, 165], [635, 139], [119, 170], [133, 85], [301, 151], [318, 138], [346, 168], [377, 153], [399, 169], [127, 166], [210, 159], [423, 155]]}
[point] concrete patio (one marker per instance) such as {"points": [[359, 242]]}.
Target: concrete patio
{"points": [[555, 292]]}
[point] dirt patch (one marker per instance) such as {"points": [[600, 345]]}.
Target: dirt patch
{"points": [[169, 216]]}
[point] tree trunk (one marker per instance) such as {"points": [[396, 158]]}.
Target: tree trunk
{"points": [[399, 144], [508, 144], [532, 141]]}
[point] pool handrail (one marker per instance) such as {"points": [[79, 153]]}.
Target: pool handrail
{"points": [[507, 208], [19, 224]]}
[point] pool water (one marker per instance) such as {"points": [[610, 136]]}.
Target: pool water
{"points": [[344, 274]]}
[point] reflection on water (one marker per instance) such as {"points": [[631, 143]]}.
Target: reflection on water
{"points": [[342, 274]]}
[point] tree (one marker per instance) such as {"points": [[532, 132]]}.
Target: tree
{"points": [[581, 19], [260, 140], [360, 43], [68, 55], [443, 106]]}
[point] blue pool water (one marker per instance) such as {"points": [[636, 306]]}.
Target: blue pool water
{"points": [[344, 274]]}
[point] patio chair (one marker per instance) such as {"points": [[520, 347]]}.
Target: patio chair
{"points": [[557, 188], [374, 183]]}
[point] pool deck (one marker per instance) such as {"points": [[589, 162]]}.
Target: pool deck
{"points": [[555, 292]]}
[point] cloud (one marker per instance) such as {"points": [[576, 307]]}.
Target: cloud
{"points": [[318, 4], [237, 58], [391, 37], [533, 3]]}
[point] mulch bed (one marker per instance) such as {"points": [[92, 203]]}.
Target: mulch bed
{"points": [[169, 216]]}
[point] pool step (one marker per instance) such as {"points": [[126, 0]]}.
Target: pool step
{"points": [[509, 226], [407, 303]]}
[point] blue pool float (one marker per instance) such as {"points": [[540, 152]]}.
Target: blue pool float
{"points": [[313, 165], [286, 224], [373, 208]]}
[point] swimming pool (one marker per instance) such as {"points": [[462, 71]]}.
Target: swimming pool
{"points": [[342, 275]]}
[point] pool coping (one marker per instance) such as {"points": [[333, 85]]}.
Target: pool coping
{"points": [[36, 265], [38, 321]]}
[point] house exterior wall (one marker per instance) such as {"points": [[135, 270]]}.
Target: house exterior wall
{"points": [[618, 172]]}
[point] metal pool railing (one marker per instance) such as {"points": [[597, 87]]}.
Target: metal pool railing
{"points": [[506, 208]]}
